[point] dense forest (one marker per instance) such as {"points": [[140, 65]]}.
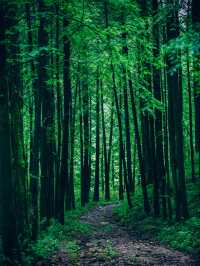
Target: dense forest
{"points": [[99, 102]]}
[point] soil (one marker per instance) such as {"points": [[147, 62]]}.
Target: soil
{"points": [[111, 244]]}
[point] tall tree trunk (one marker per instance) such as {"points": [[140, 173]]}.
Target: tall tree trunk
{"points": [[166, 189], [90, 146], [13, 189], [19, 166], [8, 234], [110, 136], [97, 162], [59, 104], [34, 138], [160, 173], [63, 184], [86, 137], [72, 194], [175, 109], [139, 149], [121, 180], [196, 83], [119, 118], [81, 147], [106, 169], [126, 107], [47, 99], [122, 151], [190, 119]]}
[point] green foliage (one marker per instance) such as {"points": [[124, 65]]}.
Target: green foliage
{"points": [[60, 237], [184, 235], [45, 246], [75, 227], [107, 228], [72, 249], [110, 252]]}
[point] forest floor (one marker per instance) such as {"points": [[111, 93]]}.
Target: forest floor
{"points": [[112, 244]]}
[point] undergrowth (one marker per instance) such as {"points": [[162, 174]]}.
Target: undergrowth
{"points": [[58, 237], [182, 235]]}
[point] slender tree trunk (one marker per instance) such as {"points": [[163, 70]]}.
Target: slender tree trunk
{"points": [[113, 173], [190, 120], [8, 234], [126, 109], [47, 100], [175, 109], [63, 184], [81, 148], [111, 136], [139, 149], [121, 180], [114, 87], [97, 162], [19, 165], [86, 138], [90, 146], [121, 187], [72, 194], [34, 139], [59, 104], [122, 152], [196, 83], [102, 171], [166, 190], [160, 173], [106, 169]]}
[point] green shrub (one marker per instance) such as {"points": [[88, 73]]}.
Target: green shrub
{"points": [[183, 235], [72, 250], [45, 246], [58, 236]]}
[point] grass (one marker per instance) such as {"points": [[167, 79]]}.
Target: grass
{"points": [[62, 237], [183, 235]]}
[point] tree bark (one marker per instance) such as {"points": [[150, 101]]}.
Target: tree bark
{"points": [[97, 162]]}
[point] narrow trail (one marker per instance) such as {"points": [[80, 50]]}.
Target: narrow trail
{"points": [[111, 244]]}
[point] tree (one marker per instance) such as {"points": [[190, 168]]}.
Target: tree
{"points": [[7, 231], [196, 21], [96, 185], [105, 152], [175, 116], [13, 210]]}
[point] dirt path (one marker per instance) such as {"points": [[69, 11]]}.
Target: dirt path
{"points": [[111, 244]]}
